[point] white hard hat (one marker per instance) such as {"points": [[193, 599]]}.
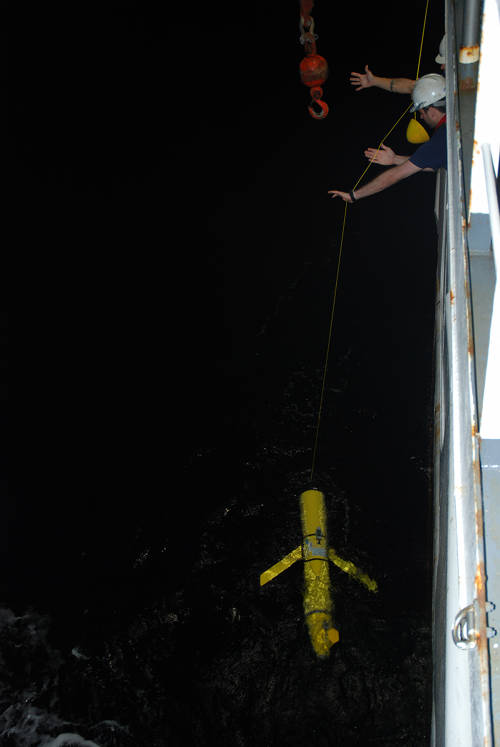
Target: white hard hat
{"points": [[428, 90], [441, 56]]}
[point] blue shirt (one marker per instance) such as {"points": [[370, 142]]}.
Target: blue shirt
{"points": [[432, 154]]}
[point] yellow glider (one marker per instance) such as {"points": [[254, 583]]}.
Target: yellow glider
{"points": [[315, 553]]}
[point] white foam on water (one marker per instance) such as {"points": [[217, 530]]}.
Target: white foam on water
{"points": [[69, 739]]}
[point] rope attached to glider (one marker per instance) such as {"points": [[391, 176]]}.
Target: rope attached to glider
{"points": [[327, 355], [334, 300], [309, 4], [422, 39], [415, 133]]}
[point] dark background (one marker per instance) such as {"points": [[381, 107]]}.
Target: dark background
{"points": [[170, 253]]}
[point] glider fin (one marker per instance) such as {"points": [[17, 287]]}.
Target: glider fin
{"points": [[350, 568], [281, 566]]}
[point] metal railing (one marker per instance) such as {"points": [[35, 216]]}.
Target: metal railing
{"points": [[462, 710]]}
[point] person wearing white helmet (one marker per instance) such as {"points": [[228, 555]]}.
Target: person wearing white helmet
{"points": [[429, 100], [395, 85], [441, 55]]}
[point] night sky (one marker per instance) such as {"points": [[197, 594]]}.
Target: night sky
{"points": [[170, 261]]}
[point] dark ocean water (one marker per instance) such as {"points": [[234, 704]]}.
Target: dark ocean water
{"points": [[172, 279], [155, 630]]}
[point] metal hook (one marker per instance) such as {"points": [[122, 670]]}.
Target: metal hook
{"points": [[464, 633], [323, 109]]}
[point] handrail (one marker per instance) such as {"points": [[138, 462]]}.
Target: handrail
{"points": [[462, 713], [460, 359]]}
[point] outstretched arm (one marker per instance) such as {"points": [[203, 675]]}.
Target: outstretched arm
{"points": [[384, 156], [381, 182], [368, 80]]}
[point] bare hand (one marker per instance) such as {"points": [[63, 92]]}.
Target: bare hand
{"points": [[344, 195], [362, 80], [383, 155]]}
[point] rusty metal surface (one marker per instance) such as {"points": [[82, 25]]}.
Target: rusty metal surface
{"points": [[469, 54], [461, 708]]}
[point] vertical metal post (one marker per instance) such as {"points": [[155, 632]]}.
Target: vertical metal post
{"points": [[462, 690], [469, 50]]}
